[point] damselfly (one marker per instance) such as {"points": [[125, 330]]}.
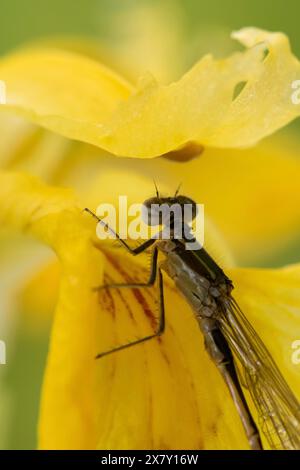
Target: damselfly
{"points": [[235, 348]]}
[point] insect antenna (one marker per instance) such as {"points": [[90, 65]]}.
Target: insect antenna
{"points": [[177, 190], [156, 188]]}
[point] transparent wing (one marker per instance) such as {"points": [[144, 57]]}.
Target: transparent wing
{"points": [[278, 409]]}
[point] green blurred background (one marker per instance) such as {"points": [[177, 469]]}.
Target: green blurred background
{"points": [[22, 21], [184, 30]]}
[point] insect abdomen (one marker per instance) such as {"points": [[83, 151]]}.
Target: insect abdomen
{"points": [[195, 288]]}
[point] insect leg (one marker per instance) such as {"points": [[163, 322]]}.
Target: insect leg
{"points": [[133, 251], [220, 353], [160, 328], [150, 281]]}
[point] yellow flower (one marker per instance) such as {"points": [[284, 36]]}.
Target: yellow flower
{"points": [[164, 394], [79, 98]]}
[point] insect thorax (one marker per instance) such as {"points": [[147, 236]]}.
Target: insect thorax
{"points": [[202, 294]]}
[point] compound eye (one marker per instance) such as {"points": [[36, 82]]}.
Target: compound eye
{"points": [[189, 208], [148, 214], [190, 212]]}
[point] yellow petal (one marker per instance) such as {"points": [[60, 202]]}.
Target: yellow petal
{"points": [[161, 395], [270, 300], [27, 204], [165, 394], [200, 107], [63, 91], [143, 393], [52, 215], [38, 295], [80, 99], [135, 399]]}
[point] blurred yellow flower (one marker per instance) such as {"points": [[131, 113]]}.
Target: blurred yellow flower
{"points": [[167, 394], [81, 99]]}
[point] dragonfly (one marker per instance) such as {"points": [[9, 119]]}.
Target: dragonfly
{"points": [[230, 340]]}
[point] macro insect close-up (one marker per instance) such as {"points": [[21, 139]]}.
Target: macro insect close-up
{"points": [[150, 229], [225, 329]]}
